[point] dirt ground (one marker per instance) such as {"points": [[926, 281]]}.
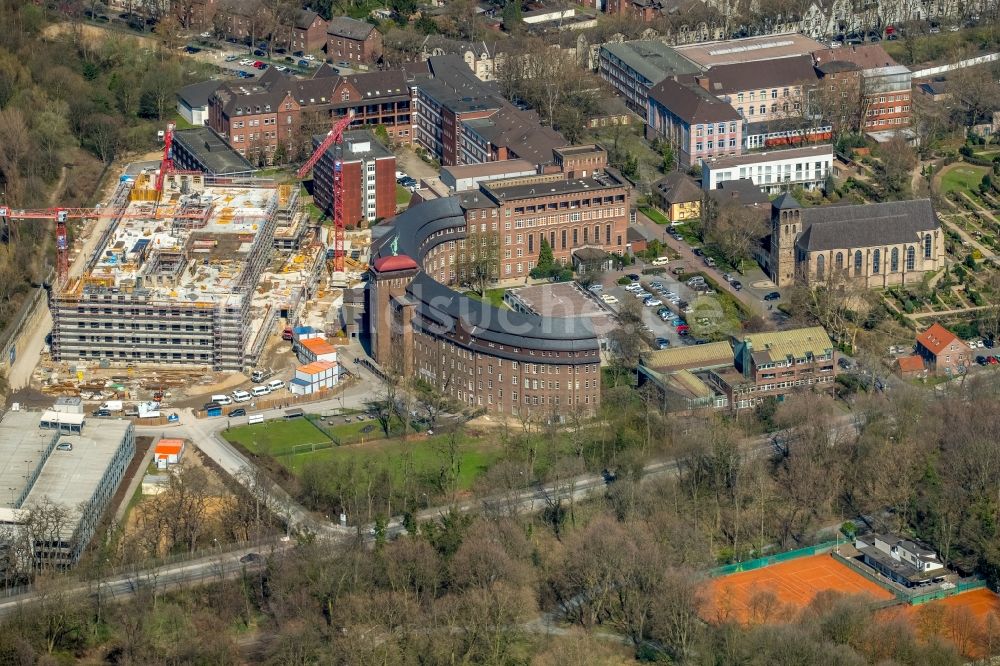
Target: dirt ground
{"points": [[94, 33]]}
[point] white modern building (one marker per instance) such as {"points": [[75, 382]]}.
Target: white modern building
{"points": [[43, 466], [773, 171]]}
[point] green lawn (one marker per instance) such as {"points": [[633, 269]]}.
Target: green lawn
{"points": [[965, 177], [654, 215], [276, 437], [403, 195], [298, 442], [493, 296]]}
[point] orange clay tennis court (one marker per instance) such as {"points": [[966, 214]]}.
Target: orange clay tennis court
{"points": [[776, 593], [963, 619]]}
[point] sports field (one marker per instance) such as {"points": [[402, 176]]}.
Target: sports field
{"points": [[776, 593], [970, 621]]}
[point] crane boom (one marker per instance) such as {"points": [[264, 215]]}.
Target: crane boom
{"points": [[334, 138]]}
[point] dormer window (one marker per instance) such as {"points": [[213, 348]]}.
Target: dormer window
{"points": [[258, 109], [267, 107]]}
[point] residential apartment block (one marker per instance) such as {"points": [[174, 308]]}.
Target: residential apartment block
{"points": [[772, 171], [352, 41], [308, 32], [369, 174]]}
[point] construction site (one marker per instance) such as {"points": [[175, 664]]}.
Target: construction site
{"points": [[187, 280], [174, 279]]}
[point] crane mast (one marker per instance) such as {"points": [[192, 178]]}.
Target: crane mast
{"points": [[334, 139]]}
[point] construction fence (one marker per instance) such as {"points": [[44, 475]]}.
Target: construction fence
{"points": [[777, 558]]}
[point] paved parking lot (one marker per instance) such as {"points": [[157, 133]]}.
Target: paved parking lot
{"points": [[659, 327]]}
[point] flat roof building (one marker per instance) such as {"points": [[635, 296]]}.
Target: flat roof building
{"points": [[202, 149], [79, 473]]}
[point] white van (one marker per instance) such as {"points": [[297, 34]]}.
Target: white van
{"points": [[258, 391], [661, 261], [275, 385], [222, 400], [241, 396]]}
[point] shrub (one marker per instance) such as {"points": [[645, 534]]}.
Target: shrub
{"points": [[624, 281]]}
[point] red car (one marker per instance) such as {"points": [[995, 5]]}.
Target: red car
{"points": [[682, 329], [992, 360], [258, 64]]}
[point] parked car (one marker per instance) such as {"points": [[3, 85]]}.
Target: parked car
{"points": [[595, 288], [737, 285], [844, 363], [661, 343], [343, 63], [258, 391], [652, 302], [230, 58], [772, 296], [633, 276], [281, 68], [609, 299], [239, 411], [244, 75], [259, 53], [303, 63], [241, 396], [992, 360]]}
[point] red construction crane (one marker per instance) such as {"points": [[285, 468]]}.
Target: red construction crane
{"points": [[167, 164], [334, 138], [63, 215]]}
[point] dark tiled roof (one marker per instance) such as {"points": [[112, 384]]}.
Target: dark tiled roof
{"points": [[725, 79], [445, 309], [305, 18], [521, 133], [837, 66], [786, 202], [678, 187], [380, 84], [865, 56], [343, 26], [741, 191], [197, 94], [889, 223], [691, 103]]}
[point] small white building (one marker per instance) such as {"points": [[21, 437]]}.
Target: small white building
{"points": [[773, 171], [904, 561], [314, 377]]}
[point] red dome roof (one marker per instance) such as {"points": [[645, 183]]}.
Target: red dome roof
{"points": [[399, 262]]}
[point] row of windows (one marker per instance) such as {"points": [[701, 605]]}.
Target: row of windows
{"points": [[894, 257], [763, 94]]}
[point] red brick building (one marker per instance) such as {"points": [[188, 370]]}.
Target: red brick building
{"points": [[369, 179], [274, 119], [943, 352], [885, 85], [308, 32], [353, 41]]}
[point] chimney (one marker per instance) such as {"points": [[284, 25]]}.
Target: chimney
{"points": [[702, 81]]}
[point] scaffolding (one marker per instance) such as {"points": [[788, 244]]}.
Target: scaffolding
{"points": [[174, 290]]}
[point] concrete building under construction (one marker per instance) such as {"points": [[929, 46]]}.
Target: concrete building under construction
{"points": [[175, 277]]}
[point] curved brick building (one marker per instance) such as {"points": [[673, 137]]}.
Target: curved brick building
{"points": [[500, 360]]}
